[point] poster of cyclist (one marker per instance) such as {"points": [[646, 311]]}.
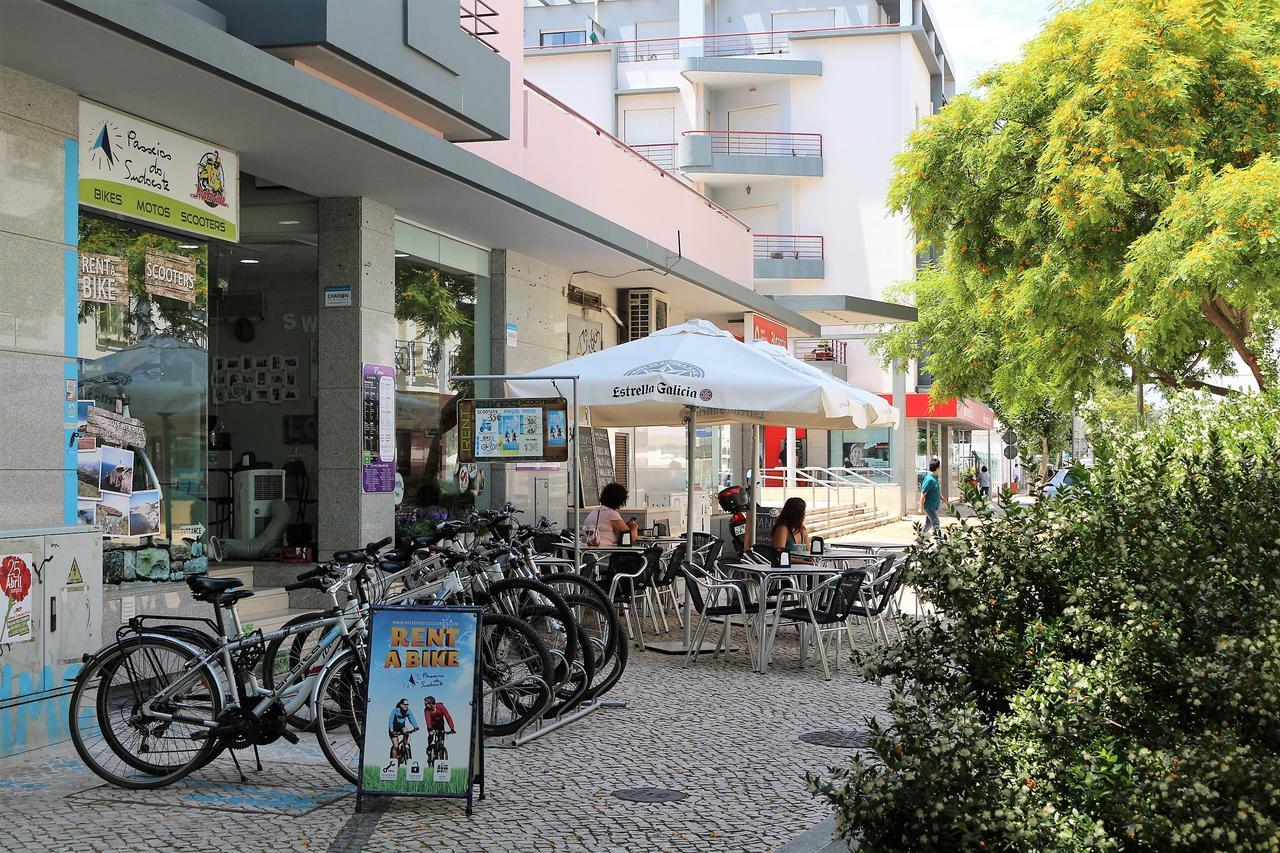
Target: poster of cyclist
{"points": [[423, 690]]}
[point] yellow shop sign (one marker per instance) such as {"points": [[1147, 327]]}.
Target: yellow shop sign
{"points": [[144, 171]]}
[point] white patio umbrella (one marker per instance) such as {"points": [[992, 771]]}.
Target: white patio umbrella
{"points": [[877, 411], [696, 372]]}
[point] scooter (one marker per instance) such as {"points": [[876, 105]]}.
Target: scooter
{"points": [[737, 500]]}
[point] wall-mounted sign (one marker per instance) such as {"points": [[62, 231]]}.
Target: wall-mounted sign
{"points": [[337, 296], [104, 279], [760, 328], [378, 419], [515, 430], [144, 171], [169, 275]]}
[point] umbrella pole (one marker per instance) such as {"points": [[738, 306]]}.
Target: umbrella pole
{"points": [[692, 441], [750, 538]]}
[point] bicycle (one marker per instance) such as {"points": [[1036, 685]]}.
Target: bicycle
{"points": [[436, 750]]}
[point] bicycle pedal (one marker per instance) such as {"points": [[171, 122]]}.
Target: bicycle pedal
{"points": [[289, 736]]}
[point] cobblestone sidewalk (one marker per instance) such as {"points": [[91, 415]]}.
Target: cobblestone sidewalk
{"points": [[723, 735]]}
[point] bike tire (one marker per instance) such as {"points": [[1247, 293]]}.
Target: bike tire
{"points": [[608, 677], [515, 669], [513, 595], [339, 721], [578, 687], [94, 704], [278, 662], [611, 629]]}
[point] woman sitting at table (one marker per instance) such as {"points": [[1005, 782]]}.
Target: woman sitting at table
{"points": [[603, 524], [789, 533]]}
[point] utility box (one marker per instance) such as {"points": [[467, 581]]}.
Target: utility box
{"points": [[51, 604]]}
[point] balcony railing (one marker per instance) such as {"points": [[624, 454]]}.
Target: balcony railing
{"points": [[762, 142], [818, 349], [789, 247], [601, 132], [475, 18], [659, 154], [769, 43]]}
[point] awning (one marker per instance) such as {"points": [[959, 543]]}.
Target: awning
{"points": [[966, 414], [839, 309]]}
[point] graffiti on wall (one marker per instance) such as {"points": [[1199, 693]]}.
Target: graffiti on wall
{"points": [[34, 715]]}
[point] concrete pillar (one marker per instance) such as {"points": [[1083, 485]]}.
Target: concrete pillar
{"points": [[39, 128], [693, 22], [357, 250], [900, 441]]}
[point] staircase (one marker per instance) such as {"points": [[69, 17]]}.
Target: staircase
{"points": [[834, 522]]}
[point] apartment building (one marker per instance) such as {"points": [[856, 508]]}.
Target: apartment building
{"points": [[789, 116]]}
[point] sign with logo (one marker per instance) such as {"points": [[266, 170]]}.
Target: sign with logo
{"points": [[104, 279], [763, 329], [378, 419], [516, 430], [151, 173], [337, 296], [686, 382], [422, 707], [15, 598], [169, 275]]}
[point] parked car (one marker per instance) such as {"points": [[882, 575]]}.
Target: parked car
{"points": [[1060, 480]]}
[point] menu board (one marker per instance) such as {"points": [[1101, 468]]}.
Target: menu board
{"points": [[513, 430], [595, 463]]}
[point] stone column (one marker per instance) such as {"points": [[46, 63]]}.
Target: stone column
{"points": [[357, 250], [39, 127], [902, 443]]}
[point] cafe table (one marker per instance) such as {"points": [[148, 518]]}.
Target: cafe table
{"points": [[765, 578]]}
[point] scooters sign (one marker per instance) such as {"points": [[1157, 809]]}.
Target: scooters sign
{"points": [[147, 172], [422, 706]]}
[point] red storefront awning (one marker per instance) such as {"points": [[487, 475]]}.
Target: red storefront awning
{"points": [[967, 414]]}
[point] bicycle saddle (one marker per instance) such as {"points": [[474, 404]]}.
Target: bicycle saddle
{"points": [[206, 585], [391, 565], [231, 596], [348, 556]]}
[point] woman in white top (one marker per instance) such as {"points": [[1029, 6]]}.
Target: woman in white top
{"points": [[604, 523]]}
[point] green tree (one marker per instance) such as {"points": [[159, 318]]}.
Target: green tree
{"points": [[1104, 209], [442, 309]]}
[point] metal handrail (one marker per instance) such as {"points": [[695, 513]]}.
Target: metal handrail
{"points": [[661, 154], [477, 15], [600, 131], [777, 247], [762, 142], [759, 43]]}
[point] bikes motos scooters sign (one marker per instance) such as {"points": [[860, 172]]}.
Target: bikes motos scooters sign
{"points": [[422, 704]]}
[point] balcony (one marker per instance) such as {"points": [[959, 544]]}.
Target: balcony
{"points": [[790, 256], [724, 156], [829, 356], [474, 16]]}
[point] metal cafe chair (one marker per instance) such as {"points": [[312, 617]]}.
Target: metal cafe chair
{"points": [[706, 594], [826, 608], [630, 578]]}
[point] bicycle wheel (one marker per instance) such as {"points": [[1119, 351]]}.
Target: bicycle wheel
{"points": [[283, 655], [340, 714], [515, 671], [120, 743], [602, 624], [578, 687], [515, 596]]}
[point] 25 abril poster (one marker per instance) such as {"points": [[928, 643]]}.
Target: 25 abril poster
{"points": [[419, 717]]}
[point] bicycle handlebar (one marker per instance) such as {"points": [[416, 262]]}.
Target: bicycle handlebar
{"points": [[374, 547]]}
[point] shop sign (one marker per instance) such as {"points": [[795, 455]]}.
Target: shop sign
{"points": [[110, 428], [535, 430], [104, 279], [424, 681], [169, 275], [150, 173], [763, 329], [378, 421]]}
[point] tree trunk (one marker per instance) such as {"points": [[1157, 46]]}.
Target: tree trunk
{"points": [[1235, 326], [1044, 457]]}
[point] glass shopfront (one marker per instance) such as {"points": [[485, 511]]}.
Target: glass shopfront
{"points": [[142, 429], [865, 451]]}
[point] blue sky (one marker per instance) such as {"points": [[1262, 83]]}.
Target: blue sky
{"points": [[981, 33]]}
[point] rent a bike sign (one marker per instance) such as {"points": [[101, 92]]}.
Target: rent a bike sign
{"points": [[422, 704]]}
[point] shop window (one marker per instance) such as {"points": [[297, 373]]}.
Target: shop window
{"points": [[142, 432]]}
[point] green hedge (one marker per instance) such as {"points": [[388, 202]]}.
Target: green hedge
{"points": [[1105, 672]]}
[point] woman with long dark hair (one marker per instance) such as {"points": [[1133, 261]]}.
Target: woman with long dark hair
{"points": [[789, 533]]}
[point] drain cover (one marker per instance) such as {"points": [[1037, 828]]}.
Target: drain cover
{"points": [[650, 795], [837, 739]]}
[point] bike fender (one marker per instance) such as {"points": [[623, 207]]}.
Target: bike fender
{"points": [[160, 635]]}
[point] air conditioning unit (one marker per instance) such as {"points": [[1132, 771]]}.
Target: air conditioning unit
{"points": [[646, 311], [254, 491]]}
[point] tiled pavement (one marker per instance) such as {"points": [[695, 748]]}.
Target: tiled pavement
{"points": [[722, 734], [727, 737]]}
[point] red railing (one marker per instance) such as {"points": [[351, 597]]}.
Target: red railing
{"points": [[600, 131], [789, 247], [762, 142], [767, 43], [473, 17], [659, 154]]}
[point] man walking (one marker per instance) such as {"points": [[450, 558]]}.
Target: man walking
{"points": [[931, 498]]}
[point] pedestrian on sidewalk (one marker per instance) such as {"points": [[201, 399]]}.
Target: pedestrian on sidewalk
{"points": [[931, 499], [984, 481]]}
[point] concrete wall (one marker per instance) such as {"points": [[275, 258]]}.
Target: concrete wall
{"points": [[584, 81], [38, 299]]}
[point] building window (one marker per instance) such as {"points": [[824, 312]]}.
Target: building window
{"points": [[562, 38]]}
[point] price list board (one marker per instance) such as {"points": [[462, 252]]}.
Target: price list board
{"points": [[595, 463]]}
